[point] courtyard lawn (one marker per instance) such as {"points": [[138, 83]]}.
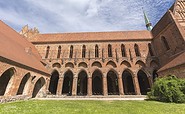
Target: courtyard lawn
{"points": [[90, 107]]}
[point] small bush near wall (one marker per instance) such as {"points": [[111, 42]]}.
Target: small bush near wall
{"points": [[168, 89]]}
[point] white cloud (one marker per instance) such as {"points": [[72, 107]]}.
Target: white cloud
{"points": [[81, 15]]}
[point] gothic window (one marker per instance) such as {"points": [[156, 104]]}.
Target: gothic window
{"points": [[165, 43], [150, 49], [96, 51], [71, 52], [123, 52], [83, 51], [47, 52], [59, 52], [136, 48], [109, 50]]}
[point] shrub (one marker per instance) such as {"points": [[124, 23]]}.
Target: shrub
{"points": [[168, 89]]}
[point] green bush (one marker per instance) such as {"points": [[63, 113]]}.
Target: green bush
{"points": [[168, 89]]}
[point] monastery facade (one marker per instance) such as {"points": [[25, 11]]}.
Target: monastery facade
{"points": [[92, 63]]}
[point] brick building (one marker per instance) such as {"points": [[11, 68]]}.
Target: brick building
{"points": [[93, 63]]}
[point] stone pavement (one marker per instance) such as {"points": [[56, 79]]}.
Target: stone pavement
{"points": [[130, 97]]}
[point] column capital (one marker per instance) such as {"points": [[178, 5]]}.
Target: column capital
{"points": [[134, 76], [75, 77], [119, 77], [61, 77], [104, 76], [89, 77], [149, 75]]}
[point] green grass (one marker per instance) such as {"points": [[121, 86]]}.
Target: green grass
{"points": [[91, 107]]}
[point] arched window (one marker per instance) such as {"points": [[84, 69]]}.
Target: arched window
{"points": [[165, 43], [59, 52], [109, 50], [123, 52], [136, 48], [150, 49], [96, 51], [83, 51], [71, 52], [47, 52]]}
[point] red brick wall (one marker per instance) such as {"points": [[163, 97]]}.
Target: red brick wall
{"points": [[168, 28]]}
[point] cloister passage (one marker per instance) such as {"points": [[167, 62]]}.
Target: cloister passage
{"points": [[4, 80], [54, 82], [155, 75], [97, 84], [23, 83], [128, 83], [38, 85], [68, 83], [112, 83], [143, 82], [82, 83]]}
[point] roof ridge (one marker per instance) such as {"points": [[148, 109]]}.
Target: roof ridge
{"points": [[95, 32]]}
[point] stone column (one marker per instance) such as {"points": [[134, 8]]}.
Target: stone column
{"points": [[13, 84], [89, 86], [136, 84], [150, 80], [31, 86], [120, 85], [105, 86], [47, 84], [27, 87], [60, 85], [74, 89]]}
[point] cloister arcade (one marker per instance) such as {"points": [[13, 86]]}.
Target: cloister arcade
{"points": [[17, 81], [101, 79]]}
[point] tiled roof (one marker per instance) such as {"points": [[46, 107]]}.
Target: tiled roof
{"points": [[16, 48], [179, 60], [92, 36]]}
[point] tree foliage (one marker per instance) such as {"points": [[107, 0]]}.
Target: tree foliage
{"points": [[168, 89]]}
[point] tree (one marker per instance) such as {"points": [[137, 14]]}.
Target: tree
{"points": [[168, 89]]}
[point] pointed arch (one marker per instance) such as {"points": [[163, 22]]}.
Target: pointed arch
{"points": [[97, 82], [82, 83], [67, 83], [82, 64], [97, 64], [54, 82], [111, 63], [112, 83], [128, 83], [96, 51], [5, 80], [23, 83], [150, 49], [83, 51], [109, 50], [59, 52], [69, 64], [165, 43], [154, 64], [38, 86], [143, 82], [57, 65], [125, 63], [140, 63], [47, 52], [137, 51], [123, 50], [71, 52]]}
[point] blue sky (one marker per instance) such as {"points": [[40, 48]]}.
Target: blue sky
{"points": [[81, 15]]}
